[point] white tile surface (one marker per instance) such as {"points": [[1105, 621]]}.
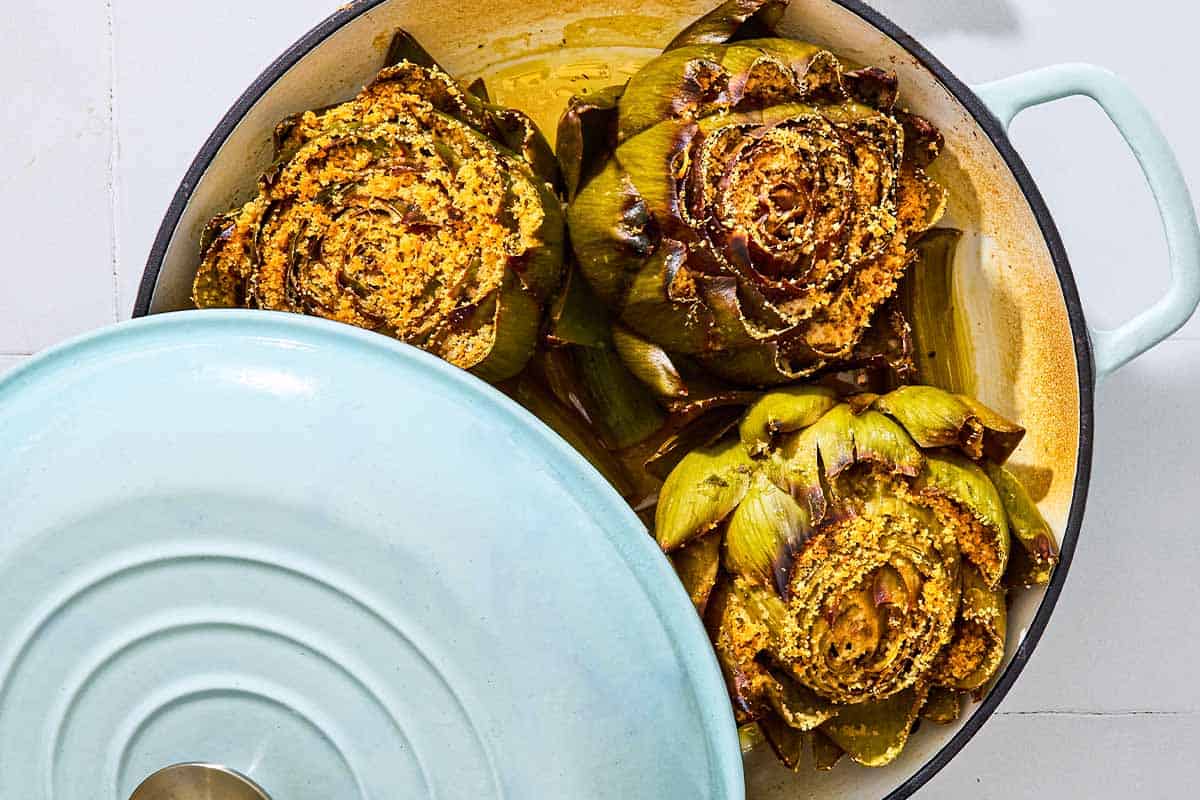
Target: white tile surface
{"points": [[1125, 635], [1075, 757], [56, 276]]}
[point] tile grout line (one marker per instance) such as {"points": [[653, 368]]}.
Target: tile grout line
{"points": [[113, 161]]}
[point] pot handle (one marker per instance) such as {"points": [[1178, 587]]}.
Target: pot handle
{"points": [[1009, 96]]}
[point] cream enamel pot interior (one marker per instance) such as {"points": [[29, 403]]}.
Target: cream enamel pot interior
{"points": [[1036, 359]]}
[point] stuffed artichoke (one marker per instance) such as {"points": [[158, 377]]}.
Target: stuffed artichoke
{"points": [[864, 547], [416, 209], [745, 199]]}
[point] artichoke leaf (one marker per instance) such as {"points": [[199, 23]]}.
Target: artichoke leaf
{"points": [[679, 324], [576, 317], [942, 706], [941, 339], [1001, 436], [706, 428], [612, 231], [935, 418], [1036, 540], [702, 490], [574, 430], [826, 754], [977, 649], [405, 47], [963, 483], [540, 268], [787, 742], [750, 736], [783, 411], [729, 20], [518, 133], [874, 732], [513, 321], [696, 563], [650, 160], [217, 286], [587, 133], [763, 365], [797, 705], [618, 403], [680, 84], [649, 363], [764, 531]]}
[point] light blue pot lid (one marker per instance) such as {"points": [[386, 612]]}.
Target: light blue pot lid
{"points": [[333, 563]]}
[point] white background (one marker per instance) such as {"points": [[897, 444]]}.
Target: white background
{"points": [[105, 103]]}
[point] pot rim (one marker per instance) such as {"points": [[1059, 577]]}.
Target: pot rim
{"points": [[1085, 368]]}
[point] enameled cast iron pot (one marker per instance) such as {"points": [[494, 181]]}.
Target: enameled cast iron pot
{"points": [[1036, 358]]}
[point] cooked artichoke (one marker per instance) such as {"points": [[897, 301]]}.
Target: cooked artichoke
{"points": [[416, 209], [748, 201], [865, 547]]}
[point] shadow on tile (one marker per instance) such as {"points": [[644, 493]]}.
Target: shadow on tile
{"points": [[986, 17]]}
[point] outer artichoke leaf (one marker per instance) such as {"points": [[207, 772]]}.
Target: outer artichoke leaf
{"points": [[1000, 435], [621, 405], [540, 268], [728, 20], [519, 133], [767, 527], [513, 323], [977, 649], [1033, 534], [731, 324], [881, 441], [750, 736], [650, 161], [934, 418], [434, 86], [680, 84], [873, 86], [873, 733], [942, 706], [826, 754], [783, 411], [405, 47], [965, 484], [649, 363], [737, 636], [794, 53], [587, 133], [797, 705], [706, 428], [574, 430], [680, 325], [478, 87], [217, 284], [696, 564], [612, 232], [702, 490], [762, 365], [941, 339], [755, 117], [786, 741], [576, 316]]}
